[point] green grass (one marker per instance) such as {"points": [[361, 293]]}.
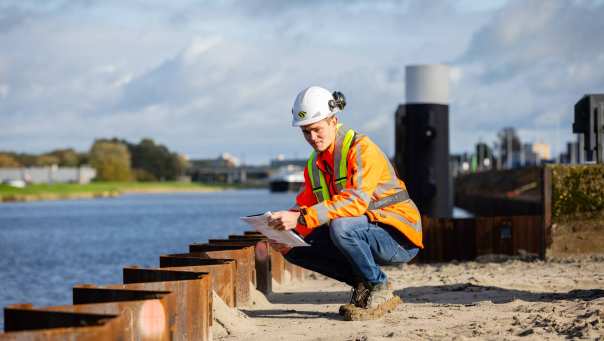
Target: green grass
{"points": [[97, 189]]}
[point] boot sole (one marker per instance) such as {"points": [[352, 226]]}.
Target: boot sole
{"points": [[344, 308], [353, 313]]}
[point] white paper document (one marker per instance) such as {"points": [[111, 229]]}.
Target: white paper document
{"points": [[260, 224]]}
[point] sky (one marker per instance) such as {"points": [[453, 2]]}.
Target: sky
{"points": [[207, 77]]}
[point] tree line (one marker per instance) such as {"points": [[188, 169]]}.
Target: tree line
{"points": [[114, 160]]}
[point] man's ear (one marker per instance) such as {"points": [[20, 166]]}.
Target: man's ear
{"points": [[334, 119]]}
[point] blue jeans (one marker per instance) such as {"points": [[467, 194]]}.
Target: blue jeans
{"points": [[352, 249]]}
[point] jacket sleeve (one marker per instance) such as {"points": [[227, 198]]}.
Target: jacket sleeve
{"points": [[366, 164]]}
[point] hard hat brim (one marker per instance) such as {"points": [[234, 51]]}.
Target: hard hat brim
{"points": [[299, 123]]}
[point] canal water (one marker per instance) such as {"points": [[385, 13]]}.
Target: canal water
{"points": [[47, 247]]}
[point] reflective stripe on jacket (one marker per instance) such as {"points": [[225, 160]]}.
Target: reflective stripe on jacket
{"points": [[369, 177]]}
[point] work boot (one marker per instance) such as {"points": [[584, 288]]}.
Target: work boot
{"points": [[379, 295], [358, 297], [378, 301]]}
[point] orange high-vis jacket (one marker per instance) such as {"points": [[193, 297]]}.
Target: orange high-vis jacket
{"points": [[370, 177]]}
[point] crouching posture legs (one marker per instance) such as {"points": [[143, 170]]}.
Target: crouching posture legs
{"points": [[351, 250]]}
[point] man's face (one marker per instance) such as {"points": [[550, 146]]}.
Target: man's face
{"points": [[320, 135]]}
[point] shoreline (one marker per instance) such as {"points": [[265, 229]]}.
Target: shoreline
{"points": [[105, 190], [54, 196]]}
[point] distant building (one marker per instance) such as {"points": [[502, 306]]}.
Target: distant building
{"points": [[542, 150], [532, 154], [527, 156], [225, 160], [460, 164], [455, 164], [48, 174], [281, 161], [484, 159], [572, 153], [227, 169]]}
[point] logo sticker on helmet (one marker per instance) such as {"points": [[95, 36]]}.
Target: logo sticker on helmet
{"points": [[301, 114]]}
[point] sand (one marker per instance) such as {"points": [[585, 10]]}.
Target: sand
{"points": [[495, 298]]}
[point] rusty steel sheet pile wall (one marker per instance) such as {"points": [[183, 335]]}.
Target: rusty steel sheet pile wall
{"points": [[223, 271], [173, 310], [24, 322], [173, 302], [569, 198], [148, 312], [260, 254], [244, 260], [192, 303], [447, 239], [281, 269]]}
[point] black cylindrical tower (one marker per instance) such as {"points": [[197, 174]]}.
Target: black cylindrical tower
{"points": [[422, 139]]}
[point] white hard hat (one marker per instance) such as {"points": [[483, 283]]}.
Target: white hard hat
{"points": [[314, 104]]}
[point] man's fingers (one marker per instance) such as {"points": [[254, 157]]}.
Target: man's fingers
{"points": [[276, 221]]}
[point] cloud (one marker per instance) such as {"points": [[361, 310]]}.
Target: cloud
{"points": [[11, 17], [4, 89], [529, 65], [205, 78]]}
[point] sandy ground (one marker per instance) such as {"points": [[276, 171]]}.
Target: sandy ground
{"points": [[491, 299]]}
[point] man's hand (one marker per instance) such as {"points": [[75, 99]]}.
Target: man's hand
{"points": [[282, 248], [283, 220]]}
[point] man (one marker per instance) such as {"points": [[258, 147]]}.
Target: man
{"points": [[353, 210]]}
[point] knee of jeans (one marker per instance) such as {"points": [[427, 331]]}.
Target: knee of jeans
{"points": [[339, 227]]}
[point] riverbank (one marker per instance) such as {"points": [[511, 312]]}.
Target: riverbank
{"points": [[39, 192]]}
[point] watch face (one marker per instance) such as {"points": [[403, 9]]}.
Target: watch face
{"points": [[301, 219]]}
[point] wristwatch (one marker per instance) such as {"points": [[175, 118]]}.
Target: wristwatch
{"points": [[301, 219]]}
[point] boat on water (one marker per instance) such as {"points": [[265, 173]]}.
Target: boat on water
{"points": [[288, 178]]}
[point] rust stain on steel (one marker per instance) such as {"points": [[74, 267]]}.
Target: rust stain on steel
{"points": [[264, 268], [21, 321], [244, 258], [223, 271], [192, 302], [278, 260], [277, 266], [261, 259], [278, 263], [146, 312]]}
